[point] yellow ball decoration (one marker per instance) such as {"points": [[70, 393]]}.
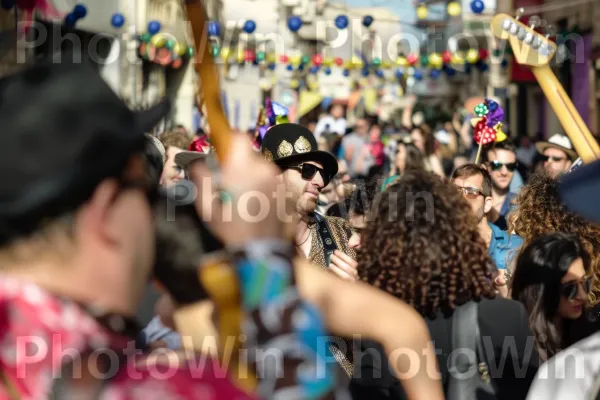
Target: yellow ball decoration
{"points": [[158, 41], [454, 9], [402, 61], [386, 64], [294, 83], [435, 60], [348, 65], [472, 56], [180, 49], [313, 85], [422, 12], [295, 60], [225, 53], [240, 58], [457, 59], [271, 58], [357, 62], [328, 62]]}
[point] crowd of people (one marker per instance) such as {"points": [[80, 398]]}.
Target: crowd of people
{"points": [[335, 261]]}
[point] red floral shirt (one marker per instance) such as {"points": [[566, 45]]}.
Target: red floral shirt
{"points": [[40, 332]]}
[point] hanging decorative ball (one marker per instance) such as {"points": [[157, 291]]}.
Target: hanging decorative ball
{"points": [[80, 11], [272, 66], [454, 9], [7, 4], [341, 22], [328, 61], [458, 59], [450, 71], [249, 55], [171, 43], [504, 63], [289, 67], [70, 20], [357, 62], [365, 72], [472, 56], [249, 26], [477, 6], [411, 71], [367, 21], [422, 12], [399, 74], [410, 81], [158, 41], [305, 59], [261, 56], [379, 73], [386, 64], [327, 71], [271, 58], [154, 27], [301, 67], [190, 51], [412, 59], [117, 20], [376, 61], [284, 59], [346, 72], [435, 73], [317, 59], [418, 75], [214, 28], [481, 110], [435, 60], [294, 83], [467, 68], [225, 52], [314, 69], [447, 57], [313, 85], [424, 60], [215, 50], [294, 23], [482, 66], [483, 54], [295, 60], [401, 61], [338, 61]]}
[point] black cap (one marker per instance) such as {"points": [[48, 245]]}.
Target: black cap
{"points": [[64, 130], [287, 144], [580, 190]]}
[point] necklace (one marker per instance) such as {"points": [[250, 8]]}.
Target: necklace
{"points": [[307, 236]]}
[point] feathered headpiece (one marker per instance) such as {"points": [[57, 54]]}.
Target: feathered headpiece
{"points": [[488, 127], [270, 115]]}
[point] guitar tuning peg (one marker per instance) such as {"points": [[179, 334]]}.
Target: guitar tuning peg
{"points": [[534, 21], [550, 31], [519, 13]]}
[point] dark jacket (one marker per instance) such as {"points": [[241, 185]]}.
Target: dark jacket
{"points": [[508, 343]]}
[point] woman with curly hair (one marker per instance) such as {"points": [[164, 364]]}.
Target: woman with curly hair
{"points": [[539, 211], [423, 247]]}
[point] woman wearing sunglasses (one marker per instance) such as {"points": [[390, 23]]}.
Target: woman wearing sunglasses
{"points": [[552, 279]]}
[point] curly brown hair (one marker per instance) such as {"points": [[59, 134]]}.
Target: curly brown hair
{"points": [[539, 211], [175, 138], [422, 246]]}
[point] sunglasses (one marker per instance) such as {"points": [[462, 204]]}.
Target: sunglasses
{"points": [[471, 192], [497, 166], [570, 289], [308, 171], [553, 158]]}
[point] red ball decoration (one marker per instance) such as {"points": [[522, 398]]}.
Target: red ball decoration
{"points": [[412, 59], [284, 59], [483, 54], [446, 57], [317, 59], [339, 61], [249, 55], [484, 134]]}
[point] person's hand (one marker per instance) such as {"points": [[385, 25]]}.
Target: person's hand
{"points": [[244, 201], [501, 284], [344, 266]]}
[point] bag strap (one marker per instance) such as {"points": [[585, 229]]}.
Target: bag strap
{"points": [[329, 244]]}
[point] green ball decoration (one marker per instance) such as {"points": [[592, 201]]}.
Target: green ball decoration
{"points": [[496, 53], [260, 56], [190, 51], [424, 60], [305, 59], [481, 110], [215, 50], [170, 44], [377, 61], [145, 37]]}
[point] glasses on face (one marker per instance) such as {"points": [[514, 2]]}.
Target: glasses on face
{"points": [[497, 166], [471, 192], [308, 171], [569, 290], [553, 158]]}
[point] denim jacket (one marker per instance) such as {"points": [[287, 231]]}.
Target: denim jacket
{"points": [[503, 247]]}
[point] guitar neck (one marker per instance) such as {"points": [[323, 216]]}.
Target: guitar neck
{"points": [[583, 141]]}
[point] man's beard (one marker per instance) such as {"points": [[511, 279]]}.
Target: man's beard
{"points": [[480, 213]]}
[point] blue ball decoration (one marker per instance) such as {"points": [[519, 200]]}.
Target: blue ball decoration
{"points": [[467, 68], [294, 23], [379, 73], [80, 11], [290, 67], [327, 71], [504, 63], [477, 6], [450, 71], [435, 73], [365, 72], [153, 27], [346, 72], [301, 67], [214, 28], [314, 69], [367, 21], [117, 20], [272, 66], [399, 74], [70, 20], [483, 67], [341, 22], [249, 26], [418, 75], [7, 4]]}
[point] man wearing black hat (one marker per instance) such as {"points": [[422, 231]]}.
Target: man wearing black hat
{"points": [[76, 235], [305, 172]]}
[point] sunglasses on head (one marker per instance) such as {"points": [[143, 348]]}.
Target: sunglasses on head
{"points": [[308, 171], [569, 290], [553, 158], [471, 192], [497, 166]]}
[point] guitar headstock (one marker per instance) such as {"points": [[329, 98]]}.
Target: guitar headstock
{"points": [[529, 47]]}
